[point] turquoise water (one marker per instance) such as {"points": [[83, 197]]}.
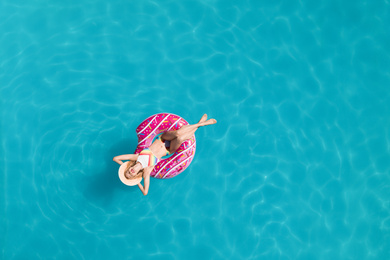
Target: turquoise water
{"points": [[296, 168]]}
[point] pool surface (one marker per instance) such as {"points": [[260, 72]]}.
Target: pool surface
{"points": [[297, 167]]}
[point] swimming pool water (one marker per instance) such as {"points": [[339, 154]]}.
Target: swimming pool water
{"points": [[297, 166]]}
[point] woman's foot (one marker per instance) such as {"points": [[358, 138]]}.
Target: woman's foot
{"points": [[207, 122], [204, 117]]}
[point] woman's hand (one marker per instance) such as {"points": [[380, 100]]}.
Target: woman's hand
{"points": [[118, 159], [127, 175]]}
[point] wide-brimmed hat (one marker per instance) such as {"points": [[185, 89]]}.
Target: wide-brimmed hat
{"points": [[122, 177]]}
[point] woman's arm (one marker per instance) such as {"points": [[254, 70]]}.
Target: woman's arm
{"points": [[146, 176], [119, 158]]}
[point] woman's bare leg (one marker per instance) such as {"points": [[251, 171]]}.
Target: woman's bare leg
{"points": [[170, 135], [187, 131], [203, 118], [191, 129]]}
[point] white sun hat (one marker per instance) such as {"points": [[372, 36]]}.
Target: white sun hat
{"points": [[122, 177]]}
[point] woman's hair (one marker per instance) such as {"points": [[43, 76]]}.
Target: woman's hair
{"points": [[127, 170]]}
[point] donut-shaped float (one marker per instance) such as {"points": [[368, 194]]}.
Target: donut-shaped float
{"points": [[177, 162]]}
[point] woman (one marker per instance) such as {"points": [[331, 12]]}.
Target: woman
{"points": [[141, 165]]}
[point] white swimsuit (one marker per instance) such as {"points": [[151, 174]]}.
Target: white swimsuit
{"points": [[147, 158]]}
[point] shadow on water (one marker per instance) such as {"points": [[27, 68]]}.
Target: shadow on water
{"points": [[102, 187]]}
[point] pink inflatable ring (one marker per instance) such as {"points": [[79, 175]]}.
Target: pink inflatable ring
{"points": [[177, 162]]}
